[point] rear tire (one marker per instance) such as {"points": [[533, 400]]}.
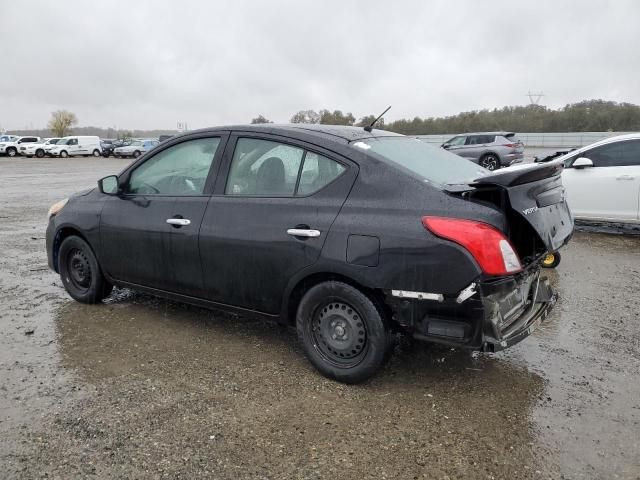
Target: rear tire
{"points": [[343, 333], [80, 273], [96, 153], [11, 152], [490, 161]]}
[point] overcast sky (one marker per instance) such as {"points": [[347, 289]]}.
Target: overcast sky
{"points": [[149, 64]]}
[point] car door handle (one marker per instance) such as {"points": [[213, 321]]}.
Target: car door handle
{"points": [[625, 177], [178, 222], [303, 232]]}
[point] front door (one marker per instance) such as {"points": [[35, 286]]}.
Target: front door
{"points": [[610, 190], [269, 219], [149, 233]]}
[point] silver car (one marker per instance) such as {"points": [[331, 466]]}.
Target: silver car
{"points": [[490, 150]]}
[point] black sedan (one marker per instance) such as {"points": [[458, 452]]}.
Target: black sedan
{"points": [[353, 236]]}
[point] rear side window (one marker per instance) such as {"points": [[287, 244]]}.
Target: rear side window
{"points": [[317, 172], [181, 169], [480, 139], [434, 165], [263, 167]]}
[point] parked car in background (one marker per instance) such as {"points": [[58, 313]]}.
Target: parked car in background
{"points": [[37, 149], [11, 148], [490, 150], [8, 138], [76, 145], [135, 148], [108, 146], [602, 180], [351, 235]]}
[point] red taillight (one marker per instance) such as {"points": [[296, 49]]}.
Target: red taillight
{"points": [[510, 145], [487, 244]]}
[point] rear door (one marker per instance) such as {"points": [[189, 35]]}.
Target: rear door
{"points": [[610, 190], [149, 234], [269, 217]]}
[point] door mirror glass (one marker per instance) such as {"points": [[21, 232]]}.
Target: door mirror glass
{"points": [[108, 185], [582, 162]]}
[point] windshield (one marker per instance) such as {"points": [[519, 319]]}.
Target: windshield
{"points": [[431, 163]]}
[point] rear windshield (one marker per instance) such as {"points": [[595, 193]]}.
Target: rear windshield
{"points": [[512, 137], [431, 163]]}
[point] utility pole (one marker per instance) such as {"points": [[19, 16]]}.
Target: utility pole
{"points": [[534, 97]]}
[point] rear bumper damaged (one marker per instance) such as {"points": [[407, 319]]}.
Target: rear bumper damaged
{"points": [[487, 315]]}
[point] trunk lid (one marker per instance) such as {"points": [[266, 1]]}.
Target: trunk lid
{"points": [[532, 198]]}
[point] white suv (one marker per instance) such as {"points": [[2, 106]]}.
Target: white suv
{"points": [[10, 148], [37, 149]]}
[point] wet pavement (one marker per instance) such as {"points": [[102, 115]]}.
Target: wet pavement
{"points": [[144, 388]]}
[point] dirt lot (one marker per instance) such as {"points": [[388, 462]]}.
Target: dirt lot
{"points": [[143, 388]]}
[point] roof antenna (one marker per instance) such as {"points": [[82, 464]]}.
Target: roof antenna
{"points": [[368, 128]]}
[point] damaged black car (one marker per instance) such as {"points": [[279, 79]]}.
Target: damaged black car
{"points": [[349, 234]]}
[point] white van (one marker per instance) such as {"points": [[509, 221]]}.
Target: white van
{"points": [[76, 145]]}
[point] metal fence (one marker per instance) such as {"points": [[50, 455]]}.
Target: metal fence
{"points": [[559, 139]]}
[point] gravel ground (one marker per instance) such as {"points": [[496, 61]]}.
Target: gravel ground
{"points": [[144, 388]]}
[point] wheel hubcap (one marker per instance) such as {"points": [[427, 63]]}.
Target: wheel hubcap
{"points": [[339, 334]]}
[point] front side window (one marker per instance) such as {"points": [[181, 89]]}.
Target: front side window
{"points": [[455, 141], [617, 154], [264, 167], [72, 141], [181, 169]]}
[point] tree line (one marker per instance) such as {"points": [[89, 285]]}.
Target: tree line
{"points": [[585, 116]]}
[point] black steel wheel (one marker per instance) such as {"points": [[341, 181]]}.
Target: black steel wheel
{"points": [[343, 333], [80, 273], [490, 161]]}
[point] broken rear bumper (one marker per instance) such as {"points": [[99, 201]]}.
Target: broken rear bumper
{"points": [[511, 317], [488, 315]]}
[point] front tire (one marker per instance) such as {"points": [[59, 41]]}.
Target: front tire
{"points": [[490, 161], [63, 154], [80, 273], [136, 154], [342, 332], [39, 153]]}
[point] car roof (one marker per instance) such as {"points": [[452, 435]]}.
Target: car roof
{"points": [[487, 133], [339, 133], [605, 141]]}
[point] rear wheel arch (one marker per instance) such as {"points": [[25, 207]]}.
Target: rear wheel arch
{"points": [[303, 285]]}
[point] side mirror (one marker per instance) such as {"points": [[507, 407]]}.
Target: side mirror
{"points": [[109, 185], [582, 162], [446, 146]]}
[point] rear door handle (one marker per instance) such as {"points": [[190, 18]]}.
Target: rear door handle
{"points": [[625, 177], [178, 222], [303, 232]]}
